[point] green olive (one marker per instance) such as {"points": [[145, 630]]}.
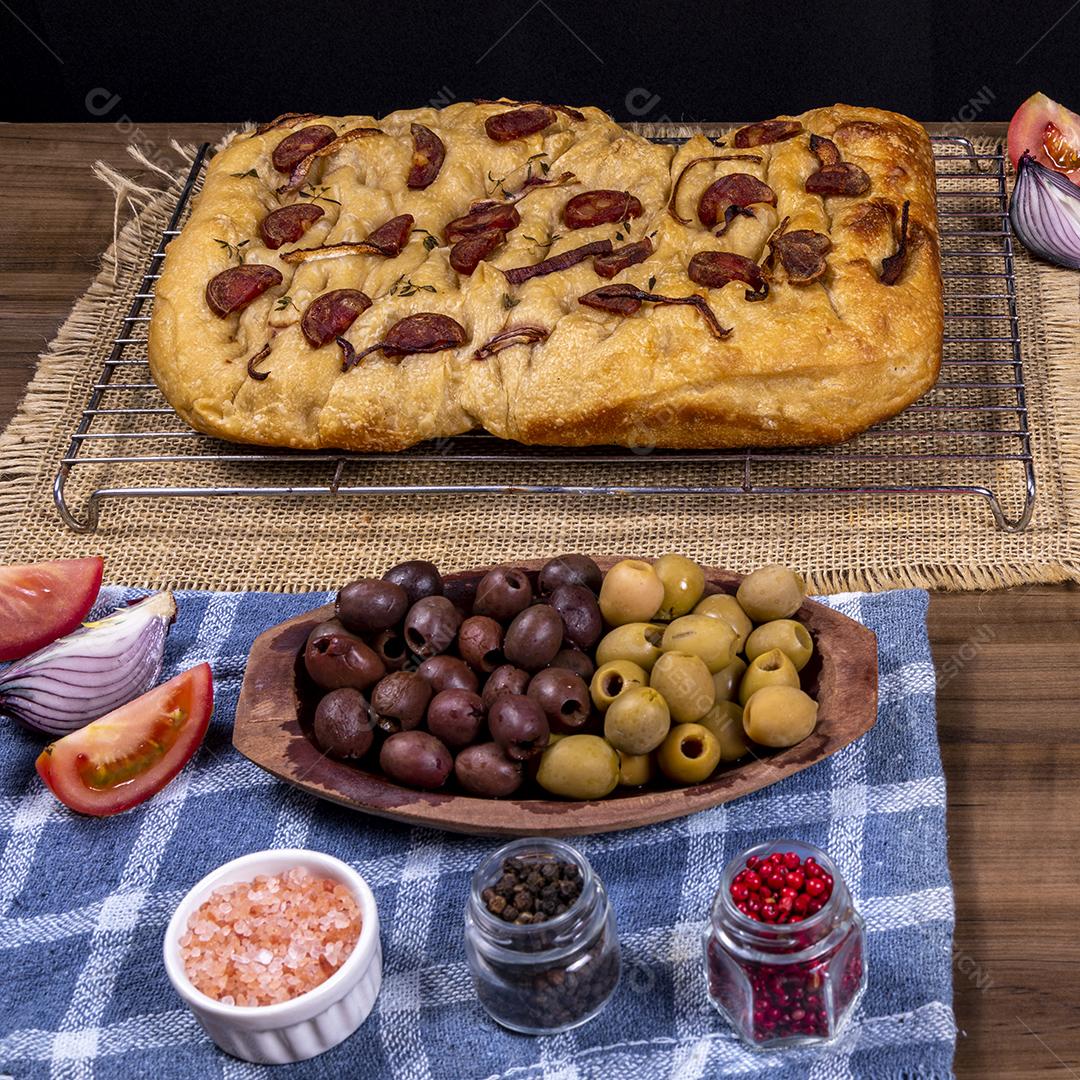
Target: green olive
{"points": [[614, 677], [637, 642], [725, 721], [579, 767], [726, 680], [637, 721], [701, 635], [773, 592], [689, 754], [686, 684], [779, 716], [634, 769], [769, 669], [725, 606], [787, 635], [683, 581], [631, 592]]}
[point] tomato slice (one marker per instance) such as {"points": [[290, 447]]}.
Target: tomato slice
{"points": [[40, 602], [131, 753], [1049, 132]]}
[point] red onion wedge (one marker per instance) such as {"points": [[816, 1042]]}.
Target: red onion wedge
{"points": [[87, 674], [1045, 213]]}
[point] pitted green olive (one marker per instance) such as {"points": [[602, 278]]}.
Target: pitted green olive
{"points": [[579, 767], [634, 769], [769, 669], [689, 754], [779, 716], [725, 721], [726, 680], [637, 721], [614, 678], [683, 581], [725, 606], [638, 642], [702, 635], [773, 592], [686, 684], [632, 592], [787, 635]]}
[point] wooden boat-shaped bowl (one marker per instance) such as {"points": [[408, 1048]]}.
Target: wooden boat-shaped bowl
{"points": [[273, 725]]}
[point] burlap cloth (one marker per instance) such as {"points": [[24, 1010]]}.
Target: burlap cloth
{"points": [[297, 543]]}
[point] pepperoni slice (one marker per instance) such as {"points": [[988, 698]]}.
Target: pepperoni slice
{"points": [[824, 150], [609, 265], [600, 207], [288, 223], [730, 195], [802, 254], [393, 235], [467, 254], [502, 216], [425, 332], [715, 269], [843, 179], [768, 131], [295, 147], [519, 123], [235, 288], [330, 315], [427, 159]]}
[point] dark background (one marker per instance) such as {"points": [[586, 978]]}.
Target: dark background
{"points": [[142, 61]]}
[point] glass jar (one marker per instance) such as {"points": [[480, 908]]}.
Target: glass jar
{"points": [[549, 976], [785, 984]]}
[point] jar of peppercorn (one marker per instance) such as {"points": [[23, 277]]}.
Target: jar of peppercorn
{"points": [[540, 937], [785, 949]]}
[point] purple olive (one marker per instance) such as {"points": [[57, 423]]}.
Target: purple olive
{"points": [[580, 614], [335, 658], [400, 699], [518, 725], [461, 592], [569, 570], [480, 642], [576, 661], [431, 626], [416, 759], [534, 637], [506, 679], [389, 646], [486, 770], [448, 673], [417, 577], [563, 696], [502, 593], [344, 726], [456, 717], [369, 604]]}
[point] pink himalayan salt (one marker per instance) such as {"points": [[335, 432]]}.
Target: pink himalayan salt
{"points": [[269, 940]]}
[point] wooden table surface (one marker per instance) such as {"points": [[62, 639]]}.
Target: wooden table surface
{"points": [[1008, 662]]}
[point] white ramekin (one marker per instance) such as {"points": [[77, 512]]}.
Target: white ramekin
{"points": [[311, 1023]]}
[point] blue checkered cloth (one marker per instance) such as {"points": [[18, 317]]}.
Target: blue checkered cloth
{"points": [[84, 902]]}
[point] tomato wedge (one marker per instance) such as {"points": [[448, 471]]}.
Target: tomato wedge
{"points": [[1049, 132], [40, 602], [131, 753]]}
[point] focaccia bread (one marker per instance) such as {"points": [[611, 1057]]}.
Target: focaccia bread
{"points": [[804, 253]]}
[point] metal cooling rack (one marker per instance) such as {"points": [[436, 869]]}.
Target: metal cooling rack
{"points": [[968, 436]]}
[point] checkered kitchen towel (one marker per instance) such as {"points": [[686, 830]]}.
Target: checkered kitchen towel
{"points": [[84, 902]]}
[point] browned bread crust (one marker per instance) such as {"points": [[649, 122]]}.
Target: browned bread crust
{"points": [[811, 364]]}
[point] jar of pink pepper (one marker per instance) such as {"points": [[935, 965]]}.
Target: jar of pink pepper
{"points": [[785, 956]]}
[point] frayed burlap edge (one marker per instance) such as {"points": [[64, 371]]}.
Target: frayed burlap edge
{"points": [[33, 430]]}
